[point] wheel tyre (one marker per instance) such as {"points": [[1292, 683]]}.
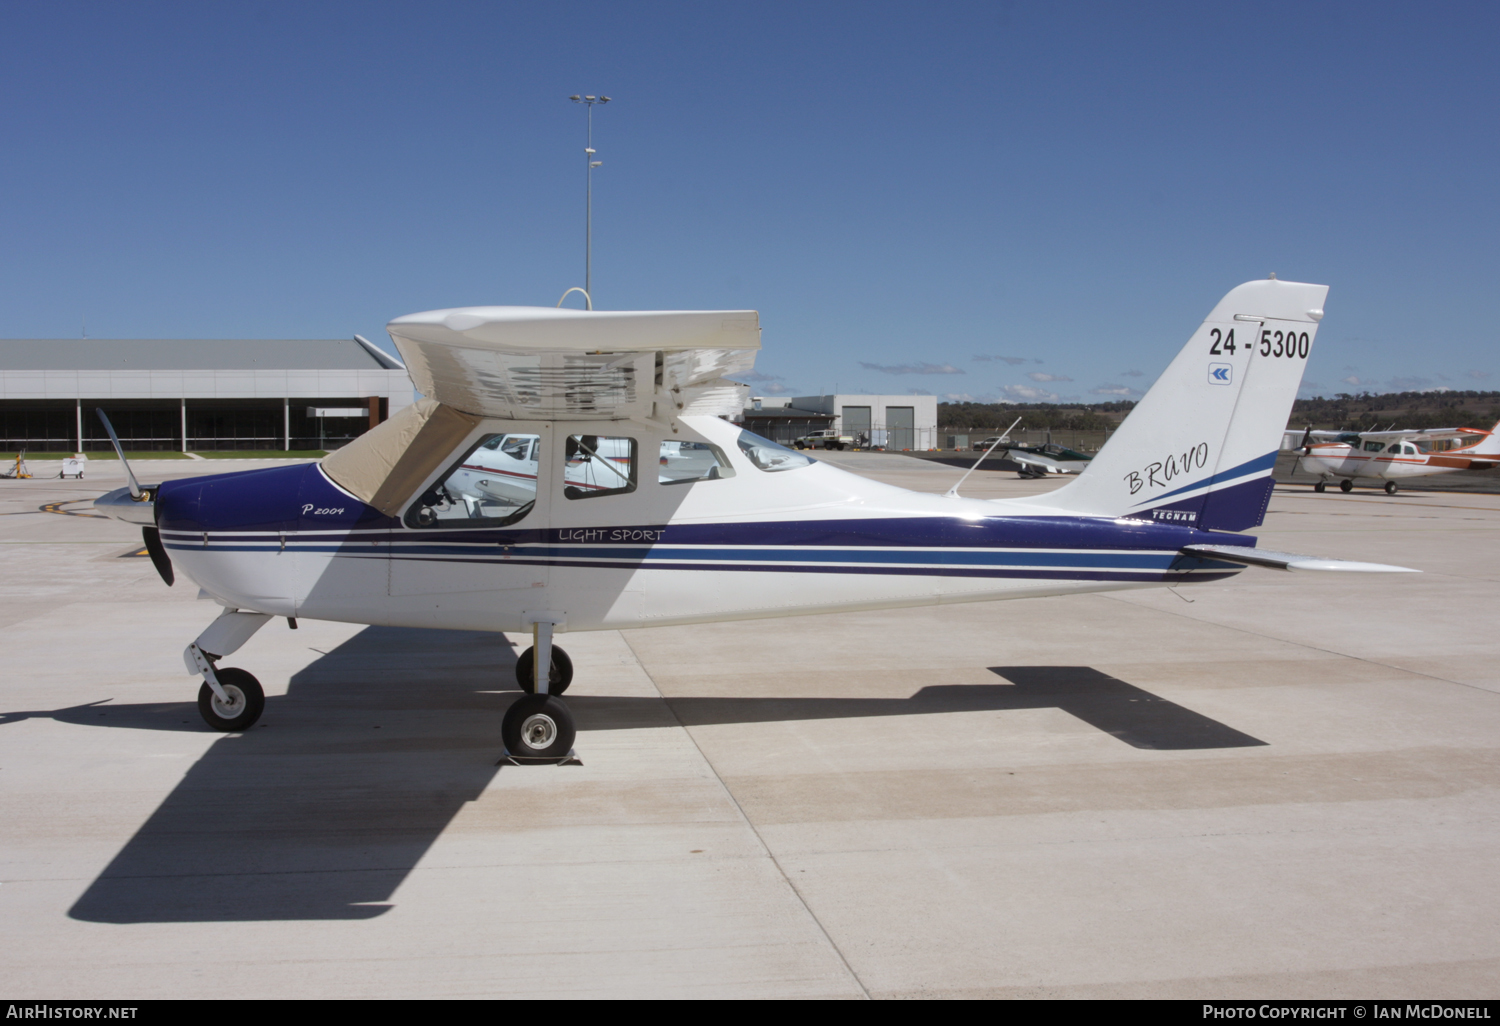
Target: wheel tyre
{"points": [[248, 701], [557, 681], [1390, 488], [538, 727], [1320, 486], [1346, 485]]}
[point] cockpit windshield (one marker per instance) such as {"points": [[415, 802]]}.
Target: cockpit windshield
{"points": [[769, 456]]}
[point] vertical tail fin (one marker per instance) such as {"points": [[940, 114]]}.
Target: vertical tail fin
{"points": [[1487, 446], [1199, 448]]}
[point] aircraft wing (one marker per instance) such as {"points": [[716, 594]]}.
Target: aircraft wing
{"points": [[1431, 434], [551, 364], [1287, 560]]}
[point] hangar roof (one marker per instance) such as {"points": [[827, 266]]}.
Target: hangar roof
{"points": [[193, 354]]}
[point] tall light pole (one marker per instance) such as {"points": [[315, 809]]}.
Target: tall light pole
{"points": [[588, 199]]}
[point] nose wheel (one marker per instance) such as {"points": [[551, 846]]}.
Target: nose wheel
{"points": [[241, 706], [1390, 488]]}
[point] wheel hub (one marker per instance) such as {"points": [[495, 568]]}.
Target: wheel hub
{"points": [[538, 730], [234, 706]]}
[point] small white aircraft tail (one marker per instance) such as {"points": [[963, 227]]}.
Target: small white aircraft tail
{"points": [[1199, 449], [1489, 446]]}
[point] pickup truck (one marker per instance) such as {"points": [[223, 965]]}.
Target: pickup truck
{"points": [[824, 440]]}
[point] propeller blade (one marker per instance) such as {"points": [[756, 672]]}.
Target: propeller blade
{"points": [[158, 553], [135, 486]]}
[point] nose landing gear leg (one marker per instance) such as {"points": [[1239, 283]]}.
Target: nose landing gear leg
{"points": [[538, 727], [230, 699]]}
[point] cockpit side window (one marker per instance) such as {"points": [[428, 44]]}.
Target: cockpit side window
{"points": [[599, 465], [769, 456], [489, 486], [1374, 446], [686, 462]]}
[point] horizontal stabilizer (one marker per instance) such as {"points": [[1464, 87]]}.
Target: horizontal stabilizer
{"points": [[1288, 560]]}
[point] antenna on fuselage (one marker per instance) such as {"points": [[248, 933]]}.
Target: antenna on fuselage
{"points": [[953, 492]]}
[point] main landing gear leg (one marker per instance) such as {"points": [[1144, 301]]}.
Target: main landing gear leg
{"points": [[230, 699], [538, 727]]}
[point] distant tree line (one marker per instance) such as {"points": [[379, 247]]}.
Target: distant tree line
{"points": [[1419, 410], [996, 417], [1341, 412]]}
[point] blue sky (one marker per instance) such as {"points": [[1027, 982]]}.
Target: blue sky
{"points": [[970, 199]]}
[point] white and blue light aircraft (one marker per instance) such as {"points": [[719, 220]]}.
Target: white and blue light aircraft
{"points": [[572, 471]]}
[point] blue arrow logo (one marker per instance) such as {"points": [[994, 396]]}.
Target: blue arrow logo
{"points": [[1220, 373]]}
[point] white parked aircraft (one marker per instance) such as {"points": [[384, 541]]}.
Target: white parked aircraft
{"points": [[1041, 460], [1388, 456], [572, 470]]}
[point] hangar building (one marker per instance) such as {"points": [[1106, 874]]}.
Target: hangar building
{"points": [[888, 421], [195, 394]]}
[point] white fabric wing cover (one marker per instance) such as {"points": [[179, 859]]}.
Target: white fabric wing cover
{"points": [[551, 364]]}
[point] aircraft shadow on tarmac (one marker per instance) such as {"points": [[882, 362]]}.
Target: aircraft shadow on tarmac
{"points": [[376, 747]]}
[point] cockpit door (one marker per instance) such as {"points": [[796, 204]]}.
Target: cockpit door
{"points": [[478, 527]]}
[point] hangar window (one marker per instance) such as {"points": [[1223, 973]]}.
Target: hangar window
{"points": [[493, 485], [598, 465], [686, 462], [769, 456]]}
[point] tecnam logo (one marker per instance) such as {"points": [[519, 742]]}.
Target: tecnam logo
{"points": [[1174, 466]]}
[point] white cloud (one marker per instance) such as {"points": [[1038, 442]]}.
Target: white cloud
{"points": [[960, 397], [912, 368], [1027, 394], [1477, 375], [1132, 374], [1352, 379], [1412, 384], [1012, 360], [1039, 376], [749, 376], [1119, 391]]}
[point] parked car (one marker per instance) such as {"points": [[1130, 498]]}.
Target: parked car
{"points": [[829, 439], [986, 443]]}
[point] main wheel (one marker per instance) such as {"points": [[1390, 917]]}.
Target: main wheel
{"points": [[1390, 488], [1320, 486], [538, 727], [557, 681], [246, 701], [1346, 485]]}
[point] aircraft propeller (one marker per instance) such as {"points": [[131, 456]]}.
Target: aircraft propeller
{"points": [[149, 534]]}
